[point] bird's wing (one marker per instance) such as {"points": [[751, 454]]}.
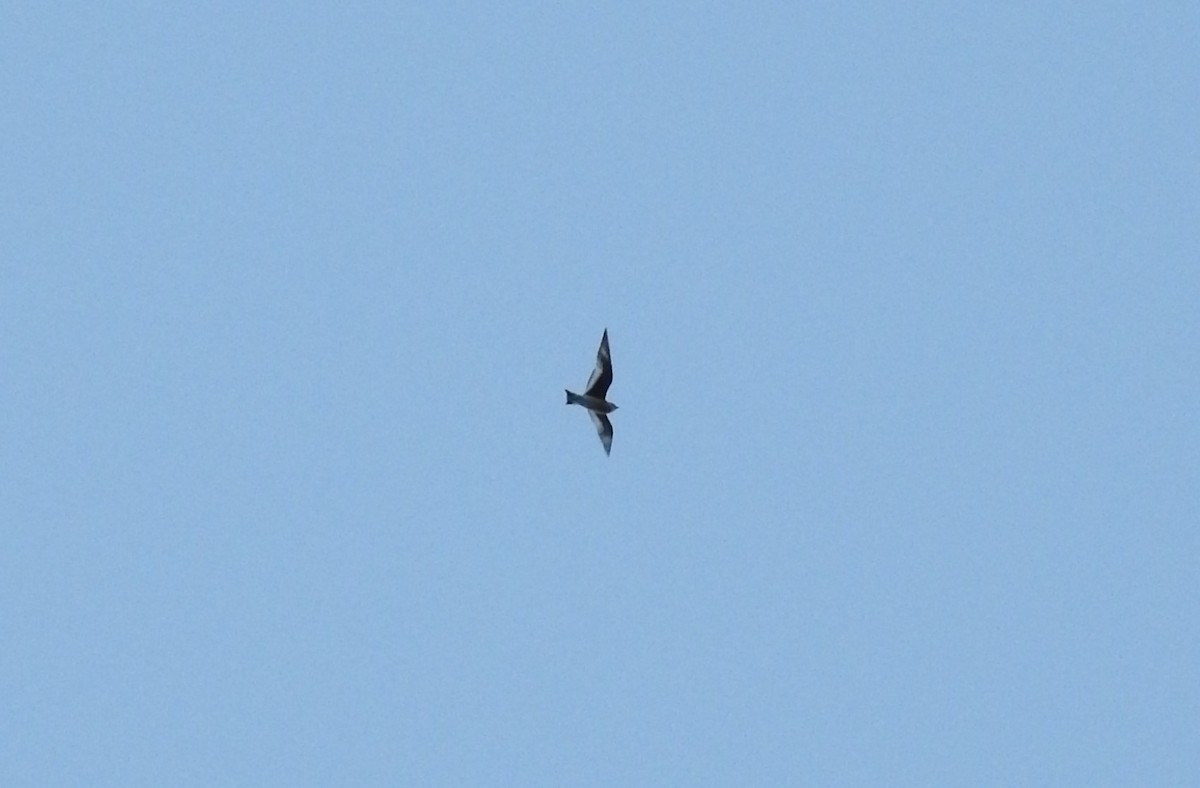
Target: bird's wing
{"points": [[601, 378], [603, 429]]}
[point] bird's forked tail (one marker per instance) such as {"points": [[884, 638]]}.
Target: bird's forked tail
{"points": [[571, 398]]}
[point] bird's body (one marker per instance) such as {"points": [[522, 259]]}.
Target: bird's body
{"points": [[593, 397], [591, 403]]}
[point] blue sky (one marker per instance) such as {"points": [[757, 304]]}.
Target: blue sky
{"points": [[903, 309]]}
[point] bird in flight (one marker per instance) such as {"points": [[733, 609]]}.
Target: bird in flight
{"points": [[592, 397]]}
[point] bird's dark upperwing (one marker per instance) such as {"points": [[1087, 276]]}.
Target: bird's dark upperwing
{"points": [[603, 429], [601, 377]]}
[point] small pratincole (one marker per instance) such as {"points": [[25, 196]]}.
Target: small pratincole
{"points": [[592, 397]]}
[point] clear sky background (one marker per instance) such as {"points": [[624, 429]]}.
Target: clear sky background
{"points": [[903, 302]]}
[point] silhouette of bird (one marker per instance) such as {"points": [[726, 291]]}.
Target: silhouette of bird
{"points": [[593, 397]]}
